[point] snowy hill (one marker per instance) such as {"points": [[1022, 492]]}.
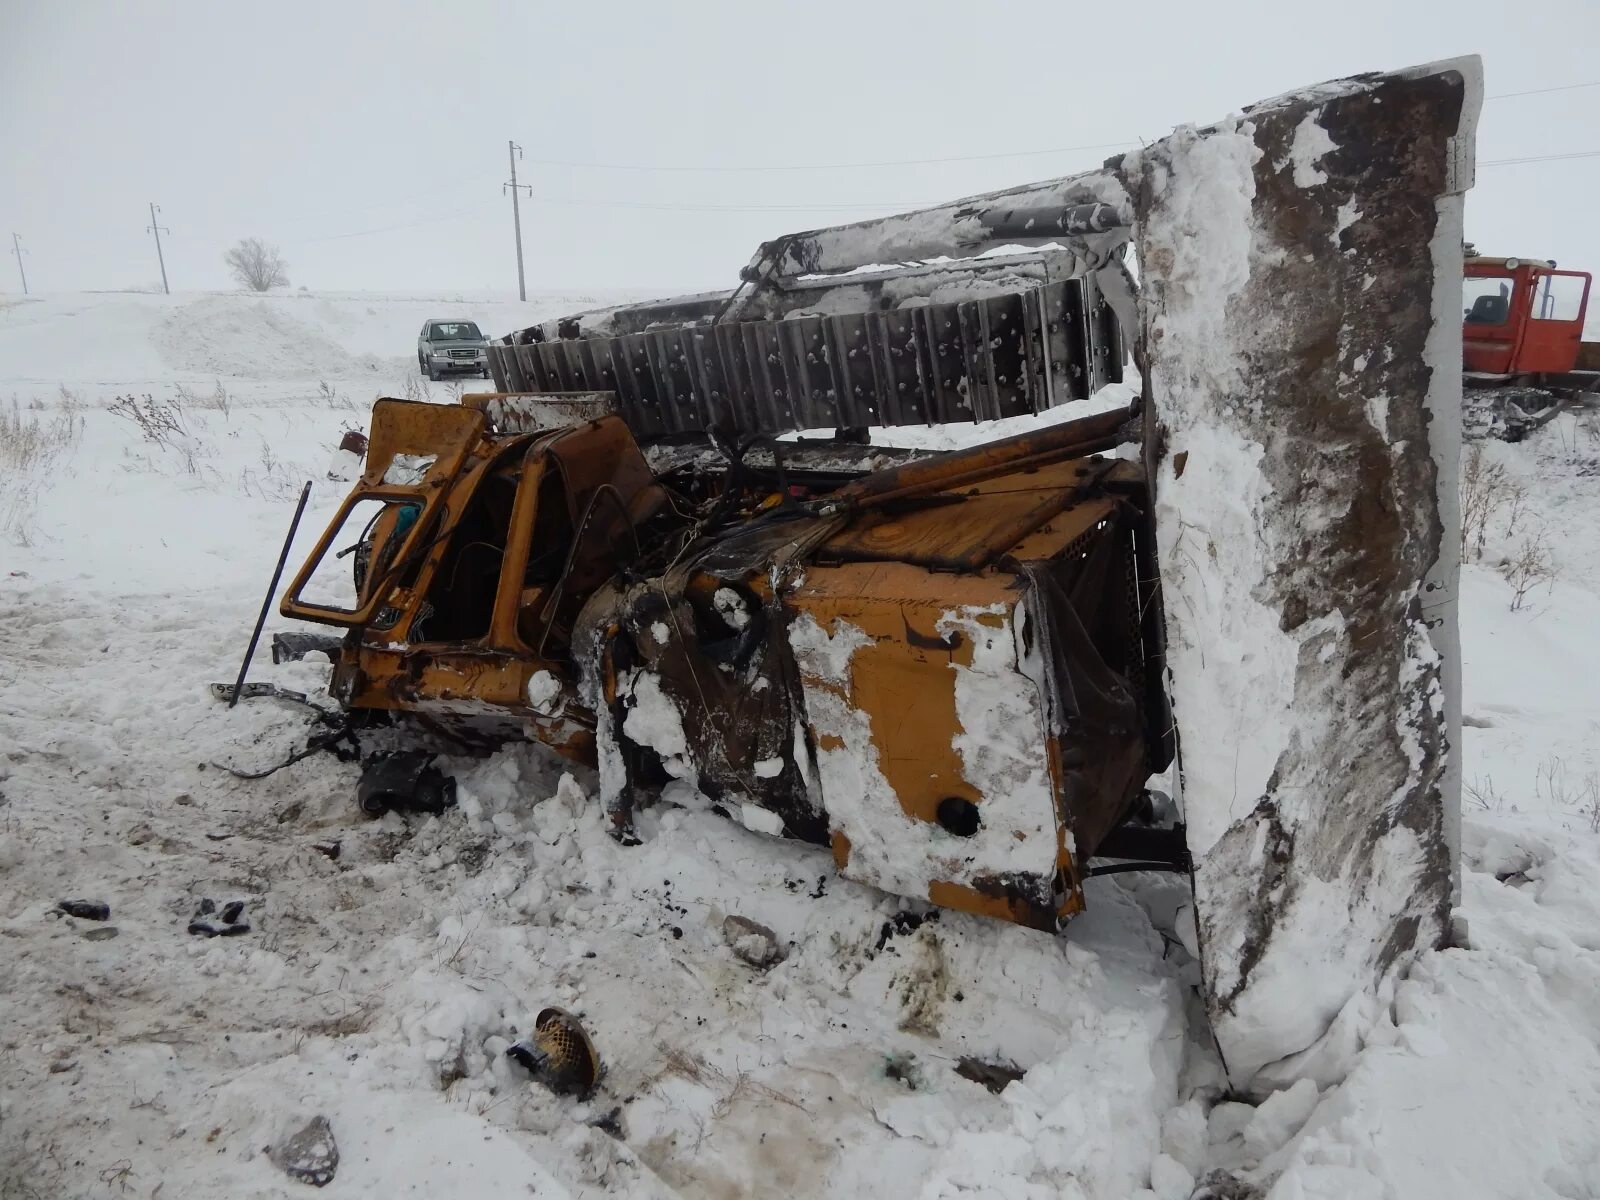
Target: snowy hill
{"points": [[137, 337], [389, 963]]}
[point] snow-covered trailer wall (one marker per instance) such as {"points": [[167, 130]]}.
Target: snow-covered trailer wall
{"points": [[1300, 311]]}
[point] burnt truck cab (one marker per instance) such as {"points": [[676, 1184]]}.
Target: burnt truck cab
{"points": [[944, 668], [1521, 317], [472, 553]]}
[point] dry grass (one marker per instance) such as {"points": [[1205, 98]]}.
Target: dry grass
{"points": [[32, 448], [1493, 504], [1487, 492], [217, 400], [1528, 567]]}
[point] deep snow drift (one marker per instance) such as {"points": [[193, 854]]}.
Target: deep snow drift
{"points": [[380, 987]]}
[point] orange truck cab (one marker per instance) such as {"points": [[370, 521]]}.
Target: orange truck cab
{"points": [[1521, 317]]}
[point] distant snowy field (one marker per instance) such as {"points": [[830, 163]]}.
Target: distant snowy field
{"points": [[380, 988]]}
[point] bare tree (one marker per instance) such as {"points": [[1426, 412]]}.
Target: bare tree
{"points": [[257, 265]]}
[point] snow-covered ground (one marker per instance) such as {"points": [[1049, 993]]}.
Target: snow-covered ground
{"points": [[380, 986]]}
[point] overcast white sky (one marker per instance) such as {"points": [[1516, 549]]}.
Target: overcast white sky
{"points": [[368, 139]]}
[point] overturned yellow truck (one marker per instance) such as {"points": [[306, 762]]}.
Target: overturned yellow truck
{"points": [[961, 671]]}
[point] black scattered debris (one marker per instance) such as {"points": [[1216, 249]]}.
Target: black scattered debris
{"points": [[208, 922], [311, 1155], [88, 910], [337, 736], [327, 849], [1224, 1185], [822, 887], [473, 856], [902, 1068], [100, 933], [992, 1075], [404, 781], [903, 922], [611, 1123]]}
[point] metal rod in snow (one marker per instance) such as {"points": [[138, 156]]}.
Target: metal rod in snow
{"points": [[272, 589]]}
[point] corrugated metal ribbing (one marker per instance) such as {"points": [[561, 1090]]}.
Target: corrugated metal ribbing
{"points": [[971, 360]]}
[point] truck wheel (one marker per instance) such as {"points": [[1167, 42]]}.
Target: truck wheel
{"points": [[433, 372]]}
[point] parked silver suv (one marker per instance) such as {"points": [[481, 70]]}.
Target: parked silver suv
{"points": [[452, 347]]}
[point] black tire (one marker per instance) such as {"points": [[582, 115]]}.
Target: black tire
{"points": [[433, 373]]}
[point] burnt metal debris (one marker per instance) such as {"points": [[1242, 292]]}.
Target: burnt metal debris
{"points": [[310, 1155], [211, 921], [87, 910], [559, 1054], [958, 671], [404, 781]]}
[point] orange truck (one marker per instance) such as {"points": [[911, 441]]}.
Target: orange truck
{"points": [[1522, 317], [1523, 353]]}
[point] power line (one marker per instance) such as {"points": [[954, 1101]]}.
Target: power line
{"points": [[891, 205], [917, 162], [390, 202], [791, 167], [432, 219], [1565, 87], [828, 207], [825, 207], [1533, 158], [849, 166]]}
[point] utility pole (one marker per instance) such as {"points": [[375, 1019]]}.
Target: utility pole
{"points": [[514, 152], [158, 230], [16, 248]]}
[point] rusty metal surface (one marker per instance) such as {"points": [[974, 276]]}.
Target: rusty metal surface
{"points": [[967, 530], [895, 706], [836, 705], [482, 618], [511, 412], [943, 472]]}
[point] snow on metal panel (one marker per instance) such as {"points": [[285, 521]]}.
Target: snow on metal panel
{"points": [[1301, 267]]}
